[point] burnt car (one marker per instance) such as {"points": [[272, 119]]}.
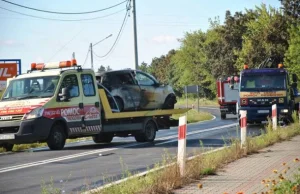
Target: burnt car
{"points": [[137, 90]]}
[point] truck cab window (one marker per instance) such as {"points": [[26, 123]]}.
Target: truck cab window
{"points": [[88, 85], [71, 82]]}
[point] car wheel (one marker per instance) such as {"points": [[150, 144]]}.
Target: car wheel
{"points": [[8, 146], [169, 103], [120, 103], [57, 138], [103, 138]]}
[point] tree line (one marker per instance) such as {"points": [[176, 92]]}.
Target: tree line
{"points": [[248, 36]]}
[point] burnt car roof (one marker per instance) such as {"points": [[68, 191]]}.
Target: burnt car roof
{"points": [[115, 71]]}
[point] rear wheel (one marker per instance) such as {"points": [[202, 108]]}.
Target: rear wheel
{"points": [[103, 138], [120, 103], [148, 134], [57, 138], [223, 116], [8, 146]]}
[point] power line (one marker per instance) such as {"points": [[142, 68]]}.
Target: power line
{"points": [[56, 12], [117, 38], [66, 44], [64, 20]]}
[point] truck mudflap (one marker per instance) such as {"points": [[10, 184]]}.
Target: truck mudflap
{"points": [[27, 131]]}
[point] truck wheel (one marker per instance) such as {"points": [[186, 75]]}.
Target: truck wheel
{"points": [[223, 116], [57, 138], [103, 138], [149, 133], [8, 146]]}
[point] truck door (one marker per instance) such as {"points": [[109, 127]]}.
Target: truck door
{"points": [[91, 104], [72, 110]]}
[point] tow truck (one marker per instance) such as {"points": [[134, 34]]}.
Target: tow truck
{"points": [[56, 101], [264, 86], [227, 98]]}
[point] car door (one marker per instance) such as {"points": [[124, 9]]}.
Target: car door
{"points": [[91, 104], [148, 87], [72, 110]]}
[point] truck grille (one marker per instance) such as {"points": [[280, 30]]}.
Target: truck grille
{"points": [[11, 118], [4, 130]]}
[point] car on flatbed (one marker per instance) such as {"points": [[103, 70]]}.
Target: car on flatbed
{"points": [[137, 90]]}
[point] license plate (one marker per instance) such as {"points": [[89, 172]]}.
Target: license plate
{"points": [[263, 111], [7, 136]]}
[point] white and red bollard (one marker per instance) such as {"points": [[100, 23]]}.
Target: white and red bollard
{"points": [[243, 121], [182, 145], [274, 116]]}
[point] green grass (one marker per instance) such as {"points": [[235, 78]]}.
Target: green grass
{"points": [[168, 179], [194, 101], [194, 116]]}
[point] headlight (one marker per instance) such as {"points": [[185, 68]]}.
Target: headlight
{"points": [[35, 113], [285, 110]]}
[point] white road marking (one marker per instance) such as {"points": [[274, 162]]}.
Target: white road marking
{"points": [[98, 151]]}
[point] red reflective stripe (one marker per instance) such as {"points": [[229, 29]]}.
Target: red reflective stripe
{"points": [[243, 122], [181, 132], [274, 113]]}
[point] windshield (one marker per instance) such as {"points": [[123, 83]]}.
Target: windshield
{"points": [[32, 87], [263, 82]]}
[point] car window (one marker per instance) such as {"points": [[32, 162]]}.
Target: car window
{"points": [[88, 85], [143, 79], [71, 82], [125, 78]]}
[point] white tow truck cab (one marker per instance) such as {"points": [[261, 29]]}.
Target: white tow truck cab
{"points": [[56, 101]]}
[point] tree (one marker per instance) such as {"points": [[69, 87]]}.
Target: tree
{"points": [[144, 67], [266, 36], [291, 9], [292, 55], [101, 69]]}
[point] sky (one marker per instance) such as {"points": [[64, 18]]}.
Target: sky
{"points": [[160, 23]]}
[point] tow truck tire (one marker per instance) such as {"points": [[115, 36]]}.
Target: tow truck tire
{"points": [[8, 146], [103, 138], [148, 134], [57, 138], [223, 116]]}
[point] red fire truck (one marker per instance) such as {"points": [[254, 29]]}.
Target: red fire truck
{"points": [[227, 97]]}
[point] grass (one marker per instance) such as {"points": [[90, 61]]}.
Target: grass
{"points": [[167, 179], [194, 116], [194, 101]]}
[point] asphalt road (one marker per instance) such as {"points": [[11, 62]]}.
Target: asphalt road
{"points": [[86, 165]]}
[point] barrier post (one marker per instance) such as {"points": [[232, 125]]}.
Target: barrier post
{"points": [[182, 144], [243, 121], [274, 116]]}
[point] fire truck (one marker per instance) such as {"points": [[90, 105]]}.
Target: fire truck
{"points": [[227, 96], [56, 101]]}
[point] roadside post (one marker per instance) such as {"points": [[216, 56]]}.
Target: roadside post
{"points": [[182, 145], [274, 116], [194, 90], [243, 127]]}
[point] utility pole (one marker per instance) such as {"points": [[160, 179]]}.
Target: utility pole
{"points": [[135, 35], [92, 61]]}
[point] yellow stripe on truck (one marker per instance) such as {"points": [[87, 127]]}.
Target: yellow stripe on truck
{"points": [[262, 94], [110, 115]]}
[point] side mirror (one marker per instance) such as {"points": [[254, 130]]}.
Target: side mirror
{"points": [[294, 77], [294, 85], [65, 94]]}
